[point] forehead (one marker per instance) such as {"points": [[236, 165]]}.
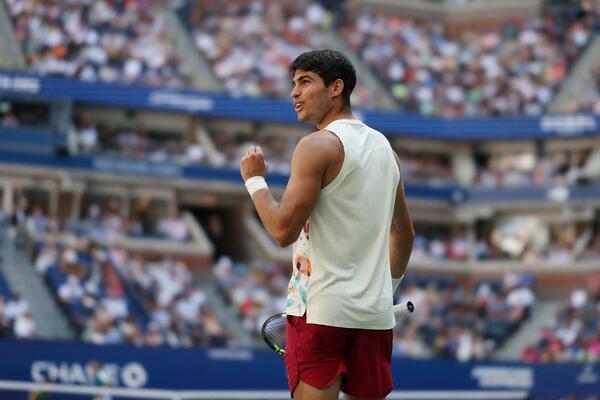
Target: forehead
{"points": [[300, 73]]}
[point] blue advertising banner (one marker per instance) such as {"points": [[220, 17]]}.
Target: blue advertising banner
{"points": [[277, 111], [163, 170], [240, 369]]}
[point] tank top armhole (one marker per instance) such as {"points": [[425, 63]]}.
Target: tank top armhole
{"points": [[336, 181]]}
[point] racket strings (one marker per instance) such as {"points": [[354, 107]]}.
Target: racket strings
{"points": [[274, 331]]}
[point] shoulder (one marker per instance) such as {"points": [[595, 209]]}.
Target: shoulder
{"points": [[321, 141], [320, 147]]}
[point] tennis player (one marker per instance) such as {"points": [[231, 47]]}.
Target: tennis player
{"points": [[345, 211]]}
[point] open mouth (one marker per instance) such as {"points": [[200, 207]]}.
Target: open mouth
{"points": [[298, 107]]}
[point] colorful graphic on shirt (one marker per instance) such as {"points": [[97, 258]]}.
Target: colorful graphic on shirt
{"points": [[301, 270]]}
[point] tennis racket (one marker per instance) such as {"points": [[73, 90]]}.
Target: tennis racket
{"points": [[273, 329]]}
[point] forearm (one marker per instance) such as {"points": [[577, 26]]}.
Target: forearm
{"points": [[275, 217], [400, 250]]}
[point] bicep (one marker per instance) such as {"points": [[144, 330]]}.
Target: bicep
{"points": [[309, 163]]}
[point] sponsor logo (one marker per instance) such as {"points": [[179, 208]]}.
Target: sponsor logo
{"points": [[132, 375], [226, 354], [503, 377], [588, 376], [567, 124], [185, 101], [131, 167], [21, 84]]}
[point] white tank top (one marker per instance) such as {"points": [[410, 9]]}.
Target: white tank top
{"points": [[341, 263]]}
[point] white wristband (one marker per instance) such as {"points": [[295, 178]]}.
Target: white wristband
{"points": [[396, 283], [255, 183]]}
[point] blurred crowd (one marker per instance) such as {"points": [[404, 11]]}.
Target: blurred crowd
{"points": [[16, 320], [107, 40], [256, 291], [453, 321], [100, 223], [428, 168], [436, 243], [574, 334], [226, 149], [514, 69], [507, 71], [112, 296], [530, 240], [556, 168], [85, 137], [230, 147], [527, 239], [250, 45]]}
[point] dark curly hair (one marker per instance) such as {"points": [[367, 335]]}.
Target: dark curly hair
{"points": [[329, 65]]}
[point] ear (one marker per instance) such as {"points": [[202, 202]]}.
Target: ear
{"points": [[336, 88]]}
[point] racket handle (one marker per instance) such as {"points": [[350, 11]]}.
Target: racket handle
{"points": [[403, 308]]}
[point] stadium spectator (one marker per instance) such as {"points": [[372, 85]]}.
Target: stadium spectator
{"points": [[174, 228], [71, 291], [24, 326], [16, 307], [83, 135]]}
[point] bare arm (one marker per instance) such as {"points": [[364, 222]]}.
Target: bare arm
{"points": [[284, 220], [402, 232]]}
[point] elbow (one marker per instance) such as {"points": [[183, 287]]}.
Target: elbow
{"points": [[284, 238], [284, 243]]}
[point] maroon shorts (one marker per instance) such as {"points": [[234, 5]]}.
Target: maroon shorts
{"points": [[318, 354]]}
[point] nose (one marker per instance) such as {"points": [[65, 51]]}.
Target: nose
{"points": [[295, 92]]}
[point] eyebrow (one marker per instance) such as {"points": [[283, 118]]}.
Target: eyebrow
{"points": [[305, 76]]}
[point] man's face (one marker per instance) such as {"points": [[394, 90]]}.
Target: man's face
{"points": [[310, 96]]}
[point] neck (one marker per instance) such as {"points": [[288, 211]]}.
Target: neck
{"points": [[335, 112]]}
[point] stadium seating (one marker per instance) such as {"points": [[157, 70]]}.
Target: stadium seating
{"points": [[101, 41], [250, 46], [111, 296], [574, 334], [456, 322], [511, 70]]}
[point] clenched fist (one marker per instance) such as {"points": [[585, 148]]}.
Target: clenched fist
{"points": [[253, 163]]}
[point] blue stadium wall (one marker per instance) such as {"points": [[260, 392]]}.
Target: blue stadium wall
{"points": [[248, 370]]}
